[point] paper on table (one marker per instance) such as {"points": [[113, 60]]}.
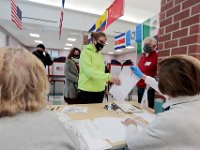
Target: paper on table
{"points": [[149, 117], [89, 136], [111, 128], [128, 81], [74, 109]]}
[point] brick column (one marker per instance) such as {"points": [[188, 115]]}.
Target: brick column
{"points": [[179, 28]]}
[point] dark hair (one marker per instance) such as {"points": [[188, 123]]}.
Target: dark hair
{"points": [[71, 53], [41, 46], [97, 35], [179, 76]]}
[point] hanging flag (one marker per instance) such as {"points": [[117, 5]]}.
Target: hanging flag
{"points": [[154, 26], [61, 18], [16, 14], [101, 22], [120, 41], [151, 27], [130, 37], [125, 39], [93, 29], [139, 33], [115, 11], [146, 29]]}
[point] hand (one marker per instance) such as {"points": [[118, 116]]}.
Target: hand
{"points": [[137, 71], [129, 121], [115, 80]]}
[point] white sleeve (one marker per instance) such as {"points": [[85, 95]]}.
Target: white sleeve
{"points": [[152, 83], [150, 138]]}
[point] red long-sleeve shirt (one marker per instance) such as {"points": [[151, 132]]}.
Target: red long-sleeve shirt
{"points": [[148, 65]]}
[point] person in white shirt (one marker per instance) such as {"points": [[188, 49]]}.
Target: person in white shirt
{"points": [[178, 128]]}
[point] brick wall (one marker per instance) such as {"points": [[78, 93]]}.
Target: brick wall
{"points": [[179, 28]]}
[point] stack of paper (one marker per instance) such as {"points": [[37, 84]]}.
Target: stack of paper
{"points": [[149, 117], [88, 135], [74, 109], [111, 128], [128, 81]]}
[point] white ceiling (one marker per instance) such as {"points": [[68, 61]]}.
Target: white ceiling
{"points": [[136, 11]]}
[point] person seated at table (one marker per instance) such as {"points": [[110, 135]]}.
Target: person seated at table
{"points": [[177, 127], [24, 122]]}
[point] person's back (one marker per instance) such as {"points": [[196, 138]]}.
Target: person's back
{"points": [[36, 131], [24, 123]]}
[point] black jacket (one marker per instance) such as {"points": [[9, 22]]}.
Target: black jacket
{"points": [[46, 60]]}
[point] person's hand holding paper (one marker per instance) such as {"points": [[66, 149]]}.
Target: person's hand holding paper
{"points": [[128, 81]]}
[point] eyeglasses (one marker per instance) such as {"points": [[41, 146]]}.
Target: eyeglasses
{"points": [[102, 42]]}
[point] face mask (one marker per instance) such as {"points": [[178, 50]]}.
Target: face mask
{"points": [[99, 46], [75, 60], [147, 48], [76, 56]]}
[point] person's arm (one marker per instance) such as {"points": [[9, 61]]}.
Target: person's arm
{"points": [[90, 70], [48, 60], [153, 136], [68, 74]]}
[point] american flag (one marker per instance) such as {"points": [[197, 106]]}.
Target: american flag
{"points": [[16, 14], [61, 18]]}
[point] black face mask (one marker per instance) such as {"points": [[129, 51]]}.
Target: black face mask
{"points": [[147, 48], [76, 56], [99, 46]]}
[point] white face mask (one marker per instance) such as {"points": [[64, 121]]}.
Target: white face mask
{"points": [[75, 60]]}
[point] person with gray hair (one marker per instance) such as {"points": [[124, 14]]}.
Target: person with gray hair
{"points": [[148, 65]]}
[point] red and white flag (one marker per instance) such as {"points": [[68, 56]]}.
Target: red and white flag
{"points": [[16, 14], [61, 18]]}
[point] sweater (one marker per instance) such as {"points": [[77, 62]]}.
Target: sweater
{"points": [[36, 131], [92, 76]]}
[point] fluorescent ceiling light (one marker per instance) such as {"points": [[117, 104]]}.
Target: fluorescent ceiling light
{"points": [[71, 39], [119, 50], [73, 33], [111, 53], [38, 41], [34, 35], [130, 47], [67, 44], [67, 48]]}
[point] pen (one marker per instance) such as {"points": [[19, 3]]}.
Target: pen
{"points": [[137, 107], [58, 107]]}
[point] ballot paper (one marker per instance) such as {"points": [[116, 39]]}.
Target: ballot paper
{"points": [[128, 81], [89, 136], [149, 117], [74, 109], [111, 128]]}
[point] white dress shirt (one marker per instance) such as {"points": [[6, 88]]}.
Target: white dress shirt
{"points": [[175, 129]]}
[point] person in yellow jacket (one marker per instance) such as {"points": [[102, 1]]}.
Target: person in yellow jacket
{"points": [[92, 76]]}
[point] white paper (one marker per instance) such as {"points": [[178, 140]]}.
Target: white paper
{"points": [[88, 136], [115, 69], [111, 128], [149, 117], [74, 109], [128, 81]]}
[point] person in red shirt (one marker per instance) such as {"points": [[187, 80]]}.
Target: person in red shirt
{"points": [[148, 65]]}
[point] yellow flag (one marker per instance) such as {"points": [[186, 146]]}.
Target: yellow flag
{"points": [[101, 20]]}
